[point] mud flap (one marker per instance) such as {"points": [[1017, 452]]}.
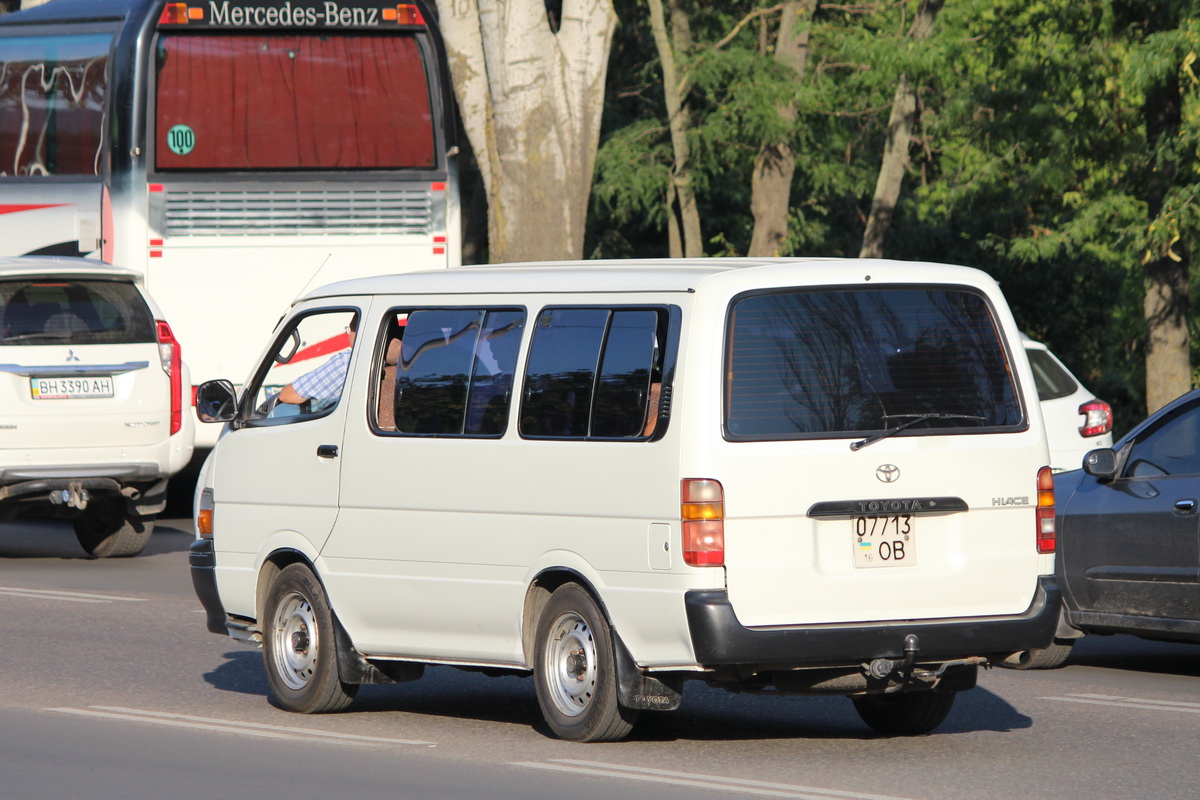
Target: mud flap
{"points": [[636, 690], [353, 668]]}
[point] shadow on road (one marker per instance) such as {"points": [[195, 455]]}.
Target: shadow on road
{"points": [[706, 715], [1137, 655], [55, 538]]}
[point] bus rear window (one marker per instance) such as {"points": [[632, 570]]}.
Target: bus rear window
{"points": [[52, 96], [296, 102], [826, 363]]}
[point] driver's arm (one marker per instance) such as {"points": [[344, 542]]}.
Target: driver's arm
{"points": [[289, 395]]}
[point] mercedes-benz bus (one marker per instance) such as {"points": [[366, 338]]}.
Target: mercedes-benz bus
{"points": [[234, 151]]}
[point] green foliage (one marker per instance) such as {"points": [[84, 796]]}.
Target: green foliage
{"points": [[1033, 157]]}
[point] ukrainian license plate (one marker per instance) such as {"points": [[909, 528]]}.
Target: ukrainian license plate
{"points": [[886, 541], [71, 388]]}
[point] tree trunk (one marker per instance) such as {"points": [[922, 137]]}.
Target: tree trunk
{"points": [[674, 90], [1168, 347], [901, 124], [775, 164], [530, 99]]}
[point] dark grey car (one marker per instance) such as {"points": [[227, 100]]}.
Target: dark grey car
{"points": [[1128, 556]]}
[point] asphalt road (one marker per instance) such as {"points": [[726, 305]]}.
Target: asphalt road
{"points": [[110, 687]]}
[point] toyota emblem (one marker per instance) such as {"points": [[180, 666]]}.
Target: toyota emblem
{"points": [[888, 473]]}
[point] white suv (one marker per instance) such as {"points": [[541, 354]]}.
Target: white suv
{"points": [[92, 387], [1076, 420]]}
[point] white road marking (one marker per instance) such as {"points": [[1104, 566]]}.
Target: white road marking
{"points": [[228, 726], [694, 780], [74, 597], [1129, 702]]}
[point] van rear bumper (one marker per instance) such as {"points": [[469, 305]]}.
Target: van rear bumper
{"points": [[720, 640]]}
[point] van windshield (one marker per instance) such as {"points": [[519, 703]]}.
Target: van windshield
{"points": [[844, 362]]}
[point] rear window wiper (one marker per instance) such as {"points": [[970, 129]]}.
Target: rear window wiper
{"points": [[913, 419], [25, 337]]}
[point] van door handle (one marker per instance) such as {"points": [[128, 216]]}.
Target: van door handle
{"points": [[327, 451], [1185, 506]]}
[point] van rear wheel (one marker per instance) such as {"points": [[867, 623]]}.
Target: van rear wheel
{"points": [[105, 531], [575, 671], [904, 713], [299, 648]]}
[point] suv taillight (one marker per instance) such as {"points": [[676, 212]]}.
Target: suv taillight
{"points": [[168, 351], [1097, 418], [702, 509], [1045, 511]]}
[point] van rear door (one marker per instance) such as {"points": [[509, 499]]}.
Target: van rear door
{"points": [[879, 462]]}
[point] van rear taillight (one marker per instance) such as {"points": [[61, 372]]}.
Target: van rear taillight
{"points": [[1045, 511], [172, 364], [1097, 418], [702, 509]]}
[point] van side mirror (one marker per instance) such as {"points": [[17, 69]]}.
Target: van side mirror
{"points": [[1101, 463], [216, 401]]}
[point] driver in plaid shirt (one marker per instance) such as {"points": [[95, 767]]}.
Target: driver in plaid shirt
{"points": [[323, 384]]}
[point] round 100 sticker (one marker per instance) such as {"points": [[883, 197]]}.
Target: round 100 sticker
{"points": [[181, 139]]}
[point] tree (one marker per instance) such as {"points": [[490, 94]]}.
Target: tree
{"points": [[775, 164], [683, 221], [901, 124], [530, 89]]}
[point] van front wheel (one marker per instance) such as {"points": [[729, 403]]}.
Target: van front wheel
{"points": [[575, 671], [299, 649], [904, 713]]}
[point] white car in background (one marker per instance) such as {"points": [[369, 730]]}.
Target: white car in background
{"points": [[1076, 420], [93, 391]]}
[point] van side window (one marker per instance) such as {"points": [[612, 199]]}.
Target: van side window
{"points": [[454, 372], [592, 373], [306, 371]]}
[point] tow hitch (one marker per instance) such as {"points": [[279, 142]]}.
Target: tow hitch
{"points": [[902, 674], [74, 496]]}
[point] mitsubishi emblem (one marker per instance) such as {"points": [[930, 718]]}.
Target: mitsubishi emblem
{"points": [[71, 356], [888, 473]]}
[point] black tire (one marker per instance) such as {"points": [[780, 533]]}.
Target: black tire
{"points": [[574, 670], [904, 713], [299, 645], [104, 530], [1051, 657]]}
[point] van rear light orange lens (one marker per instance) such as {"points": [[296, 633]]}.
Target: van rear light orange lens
{"points": [[1046, 536], [702, 510]]}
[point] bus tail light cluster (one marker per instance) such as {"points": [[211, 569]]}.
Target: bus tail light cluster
{"points": [[1097, 418], [702, 509], [1045, 511], [179, 14], [172, 364]]}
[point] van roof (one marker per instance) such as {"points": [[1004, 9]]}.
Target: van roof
{"points": [[644, 275]]}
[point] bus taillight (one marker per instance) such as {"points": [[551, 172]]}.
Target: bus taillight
{"points": [[179, 14], [409, 15]]}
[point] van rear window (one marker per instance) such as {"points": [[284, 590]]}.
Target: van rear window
{"points": [[826, 363], [63, 311]]}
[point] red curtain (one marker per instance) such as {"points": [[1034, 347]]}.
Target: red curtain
{"points": [[270, 102]]}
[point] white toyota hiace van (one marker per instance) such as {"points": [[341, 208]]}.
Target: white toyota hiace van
{"points": [[795, 476]]}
